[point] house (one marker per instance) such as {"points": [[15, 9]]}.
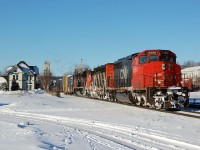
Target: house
{"points": [[22, 76], [192, 73]]}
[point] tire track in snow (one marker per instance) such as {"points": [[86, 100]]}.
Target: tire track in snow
{"points": [[125, 137], [103, 139]]}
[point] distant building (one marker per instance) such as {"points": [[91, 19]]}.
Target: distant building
{"points": [[22, 76], [191, 72], [56, 83], [47, 69]]}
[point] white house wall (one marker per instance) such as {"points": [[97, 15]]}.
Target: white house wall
{"points": [[19, 80]]}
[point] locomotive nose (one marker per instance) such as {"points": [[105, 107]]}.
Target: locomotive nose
{"points": [[170, 76], [166, 75]]}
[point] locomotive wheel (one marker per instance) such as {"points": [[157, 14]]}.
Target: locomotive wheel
{"points": [[138, 100], [143, 101], [170, 98], [131, 98], [186, 102], [134, 99]]}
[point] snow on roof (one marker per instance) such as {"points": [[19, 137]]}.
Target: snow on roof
{"points": [[22, 64], [191, 69], [34, 69], [24, 68], [69, 75], [9, 68]]}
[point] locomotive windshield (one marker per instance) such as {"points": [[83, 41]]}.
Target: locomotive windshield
{"points": [[153, 58], [167, 57], [143, 59]]}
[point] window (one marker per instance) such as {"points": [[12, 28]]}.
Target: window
{"points": [[143, 59], [30, 87], [164, 57], [13, 77], [153, 58], [172, 59], [17, 77], [28, 77]]}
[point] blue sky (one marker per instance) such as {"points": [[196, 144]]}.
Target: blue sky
{"points": [[98, 31]]}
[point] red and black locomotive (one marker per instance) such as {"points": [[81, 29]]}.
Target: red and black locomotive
{"points": [[149, 78]]}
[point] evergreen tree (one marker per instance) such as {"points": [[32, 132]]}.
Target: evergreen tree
{"points": [[15, 86]]}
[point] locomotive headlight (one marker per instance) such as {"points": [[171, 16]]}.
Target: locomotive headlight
{"points": [[163, 66], [179, 93]]}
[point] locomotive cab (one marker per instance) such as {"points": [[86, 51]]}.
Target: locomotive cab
{"points": [[154, 71], [158, 68]]}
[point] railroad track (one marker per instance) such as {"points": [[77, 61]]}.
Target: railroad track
{"points": [[189, 113], [181, 112]]}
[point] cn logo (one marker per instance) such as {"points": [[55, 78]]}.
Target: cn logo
{"points": [[124, 73]]}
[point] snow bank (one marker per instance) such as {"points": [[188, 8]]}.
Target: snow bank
{"points": [[2, 80], [37, 91]]}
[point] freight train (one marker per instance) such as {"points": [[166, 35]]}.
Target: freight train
{"points": [[150, 78]]}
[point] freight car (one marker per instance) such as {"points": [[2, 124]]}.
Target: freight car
{"points": [[150, 78], [68, 84], [187, 82]]}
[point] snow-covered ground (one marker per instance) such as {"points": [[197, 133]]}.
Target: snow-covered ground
{"points": [[33, 121]]}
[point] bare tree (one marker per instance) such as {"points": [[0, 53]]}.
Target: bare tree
{"points": [[45, 81], [81, 68], [189, 63]]}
